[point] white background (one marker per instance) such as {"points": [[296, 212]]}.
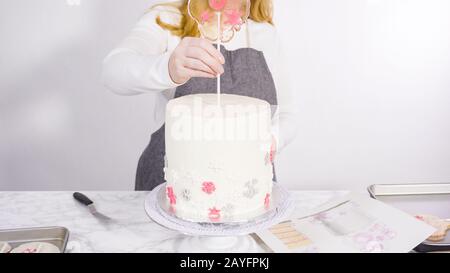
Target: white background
{"points": [[372, 83]]}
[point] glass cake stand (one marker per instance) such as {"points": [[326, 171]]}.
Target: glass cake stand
{"points": [[218, 237]]}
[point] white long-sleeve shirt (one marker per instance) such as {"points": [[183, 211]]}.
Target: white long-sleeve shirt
{"points": [[140, 65]]}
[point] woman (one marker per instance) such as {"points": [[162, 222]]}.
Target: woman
{"points": [[165, 56]]}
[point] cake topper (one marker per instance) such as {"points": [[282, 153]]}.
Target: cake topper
{"points": [[218, 21]]}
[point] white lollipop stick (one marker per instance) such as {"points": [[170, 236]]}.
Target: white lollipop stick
{"points": [[219, 22]]}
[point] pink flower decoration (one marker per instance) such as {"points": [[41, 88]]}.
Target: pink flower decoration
{"points": [[205, 16], [214, 215], [272, 153], [172, 197], [321, 217], [30, 250], [267, 201], [362, 238], [373, 247], [233, 17], [217, 5], [391, 234], [172, 209], [208, 187], [388, 233]]}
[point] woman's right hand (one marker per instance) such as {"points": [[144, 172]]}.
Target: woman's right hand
{"points": [[195, 57]]}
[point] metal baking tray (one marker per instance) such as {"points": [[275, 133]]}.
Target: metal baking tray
{"points": [[417, 199], [58, 236]]}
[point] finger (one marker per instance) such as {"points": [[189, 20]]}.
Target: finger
{"points": [[208, 47], [199, 74], [196, 64], [202, 55]]}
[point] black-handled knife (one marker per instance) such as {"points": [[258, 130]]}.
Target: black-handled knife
{"points": [[83, 199]]}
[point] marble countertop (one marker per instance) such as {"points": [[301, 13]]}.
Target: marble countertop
{"points": [[131, 231]]}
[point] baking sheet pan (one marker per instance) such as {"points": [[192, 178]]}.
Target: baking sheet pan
{"points": [[418, 199], [58, 236]]}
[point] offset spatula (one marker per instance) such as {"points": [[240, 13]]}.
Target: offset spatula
{"points": [[83, 199]]}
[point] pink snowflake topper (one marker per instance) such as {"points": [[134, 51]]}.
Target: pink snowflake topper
{"points": [[233, 17], [208, 187], [205, 17], [171, 195], [233, 14]]}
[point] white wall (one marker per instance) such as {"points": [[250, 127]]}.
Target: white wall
{"points": [[372, 81]]}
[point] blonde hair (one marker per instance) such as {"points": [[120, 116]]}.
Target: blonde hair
{"points": [[260, 11]]}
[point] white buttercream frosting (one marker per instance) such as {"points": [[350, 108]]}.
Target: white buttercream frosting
{"points": [[217, 167]]}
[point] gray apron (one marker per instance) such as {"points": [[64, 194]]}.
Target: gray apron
{"points": [[246, 74]]}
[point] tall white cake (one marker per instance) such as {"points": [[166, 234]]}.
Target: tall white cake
{"points": [[218, 164]]}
